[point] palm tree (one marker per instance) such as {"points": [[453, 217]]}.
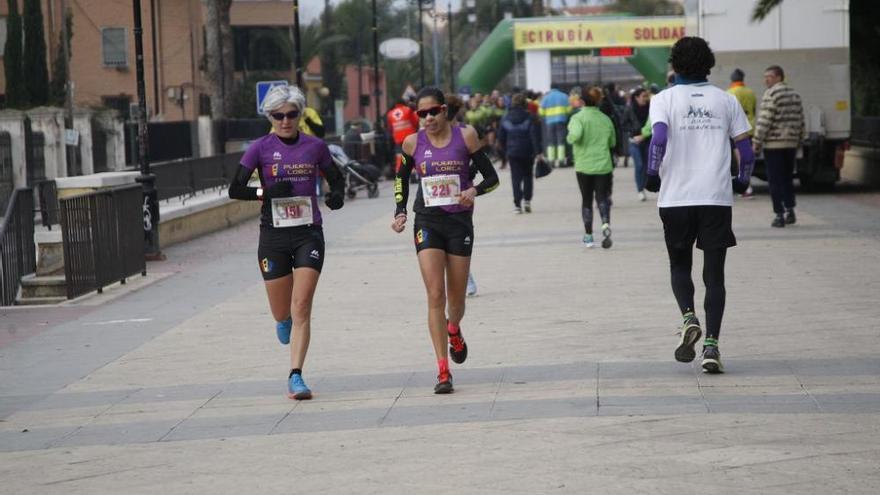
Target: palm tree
{"points": [[763, 8]]}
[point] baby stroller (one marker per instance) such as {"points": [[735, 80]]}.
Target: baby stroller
{"points": [[358, 176]]}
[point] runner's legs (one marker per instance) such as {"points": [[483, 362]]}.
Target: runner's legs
{"points": [[432, 264]]}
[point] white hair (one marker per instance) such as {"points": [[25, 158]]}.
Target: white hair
{"points": [[278, 96]]}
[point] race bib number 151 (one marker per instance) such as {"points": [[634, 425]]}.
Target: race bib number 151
{"points": [[291, 212]]}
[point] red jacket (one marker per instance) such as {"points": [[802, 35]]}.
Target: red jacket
{"points": [[402, 121]]}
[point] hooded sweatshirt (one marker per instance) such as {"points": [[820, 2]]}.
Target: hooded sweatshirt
{"points": [[519, 135]]}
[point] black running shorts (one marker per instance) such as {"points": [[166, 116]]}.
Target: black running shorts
{"points": [[709, 226], [282, 250], [453, 234]]}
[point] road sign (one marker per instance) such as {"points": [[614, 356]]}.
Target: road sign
{"points": [[71, 137], [399, 48], [263, 88]]}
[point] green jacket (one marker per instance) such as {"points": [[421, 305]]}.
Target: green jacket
{"points": [[591, 136], [479, 116]]}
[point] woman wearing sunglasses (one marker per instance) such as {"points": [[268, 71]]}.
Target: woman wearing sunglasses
{"points": [[291, 247], [444, 231]]}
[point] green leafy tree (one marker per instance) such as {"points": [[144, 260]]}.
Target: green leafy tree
{"points": [[34, 67], [57, 92], [241, 98], [15, 91], [328, 49]]}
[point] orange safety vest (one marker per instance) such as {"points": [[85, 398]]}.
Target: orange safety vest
{"points": [[402, 121]]}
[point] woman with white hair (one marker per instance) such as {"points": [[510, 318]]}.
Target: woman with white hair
{"points": [[291, 248]]}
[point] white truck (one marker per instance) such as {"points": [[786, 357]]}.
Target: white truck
{"points": [[809, 39]]}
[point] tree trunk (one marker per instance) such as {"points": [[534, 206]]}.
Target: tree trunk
{"points": [[228, 57], [218, 49]]}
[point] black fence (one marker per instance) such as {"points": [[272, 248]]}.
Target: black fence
{"points": [[103, 236], [17, 253], [866, 131], [186, 177], [7, 184], [166, 141]]}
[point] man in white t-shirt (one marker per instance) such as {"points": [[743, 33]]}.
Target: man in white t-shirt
{"points": [[689, 163]]}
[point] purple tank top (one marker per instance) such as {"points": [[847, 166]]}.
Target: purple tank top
{"points": [[300, 164], [452, 159]]}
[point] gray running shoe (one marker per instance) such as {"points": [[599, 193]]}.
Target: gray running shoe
{"points": [[690, 334], [712, 360]]}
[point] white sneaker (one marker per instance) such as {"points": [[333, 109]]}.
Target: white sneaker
{"points": [[527, 206], [471, 285], [642, 196], [517, 210]]}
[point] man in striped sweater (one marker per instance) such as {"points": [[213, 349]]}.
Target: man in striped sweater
{"points": [[779, 132]]}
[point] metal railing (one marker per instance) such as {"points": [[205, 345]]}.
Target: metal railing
{"points": [[6, 179], [18, 256], [186, 177], [103, 235]]}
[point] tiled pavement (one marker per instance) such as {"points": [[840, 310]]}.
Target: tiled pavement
{"points": [[570, 385]]}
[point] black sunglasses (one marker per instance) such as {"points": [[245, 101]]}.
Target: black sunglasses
{"points": [[279, 116], [433, 111]]}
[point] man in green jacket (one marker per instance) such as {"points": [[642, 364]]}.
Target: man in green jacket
{"points": [[591, 136]]}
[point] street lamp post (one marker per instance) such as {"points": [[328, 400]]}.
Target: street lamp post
{"points": [[146, 179], [451, 48], [70, 149], [376, 91], [435, 45], [297, 54], [421, 49]]}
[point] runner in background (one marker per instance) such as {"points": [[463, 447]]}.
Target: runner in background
{"points": [[443, 228], [689, 164], [291, 245]]}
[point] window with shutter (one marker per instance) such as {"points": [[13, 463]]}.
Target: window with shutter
{"points": [[114, 48]]}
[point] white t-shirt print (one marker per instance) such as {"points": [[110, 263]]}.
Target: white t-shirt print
{"points": [[696, 168]]}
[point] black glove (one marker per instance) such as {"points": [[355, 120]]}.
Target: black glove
{"points": [[653, 183], [334, 200], [740, 187], [281, 189]]}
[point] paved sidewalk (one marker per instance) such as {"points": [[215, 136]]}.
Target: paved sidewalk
{"points": [[570, 384]]}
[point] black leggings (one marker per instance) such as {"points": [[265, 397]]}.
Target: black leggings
{"points": [[680, 263], [601, 185]]}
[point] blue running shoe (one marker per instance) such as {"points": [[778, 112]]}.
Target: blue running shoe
{"points": [[282, 329], [297, 389]]}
